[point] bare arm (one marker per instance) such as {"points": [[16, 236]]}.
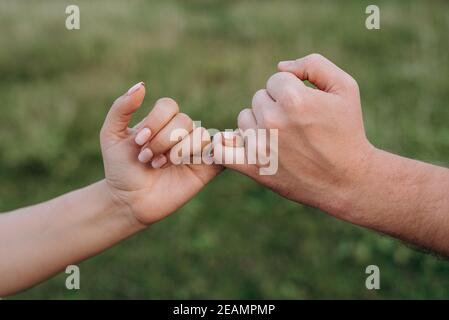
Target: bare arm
{"points": [[38, 241], [405, 198], [140, 188], [326, 161]]}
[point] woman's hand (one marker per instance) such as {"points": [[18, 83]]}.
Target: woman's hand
{"points": [[40, 240], [150, 192]]}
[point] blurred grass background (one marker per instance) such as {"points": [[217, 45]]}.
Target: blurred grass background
{"points": [[235, 239]]}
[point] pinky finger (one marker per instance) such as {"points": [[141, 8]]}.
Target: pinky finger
{"points": [[189, 147]]}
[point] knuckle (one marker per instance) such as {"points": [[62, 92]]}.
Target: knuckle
{"points": [[184, 120], [290, 97], [246, 119], [315, 58], [279, 77], [257, 97], [168, 104], [244, 112], [285, 74], [273, 78]]}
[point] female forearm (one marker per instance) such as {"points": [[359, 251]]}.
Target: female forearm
{"points": [[404, 198], [38, 241]]}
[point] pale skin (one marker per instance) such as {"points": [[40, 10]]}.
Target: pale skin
{"points": [[138, 190], [326, 161]]}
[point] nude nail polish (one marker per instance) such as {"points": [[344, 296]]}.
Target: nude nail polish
{"points": [[143, 136], [145, 155], [135, 88], [159, 161]]}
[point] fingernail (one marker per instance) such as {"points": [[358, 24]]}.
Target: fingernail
{"points": [[145, 155], [143, 136], [159, 161], [284, 64], [135, 88]]}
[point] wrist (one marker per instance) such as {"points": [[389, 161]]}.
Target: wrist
{"points": [[360, 175], [120, 206]]}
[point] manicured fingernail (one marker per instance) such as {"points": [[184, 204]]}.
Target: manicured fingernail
{"points": [[145, 155], [284, 64], [159, 161], [135, 88], [143, 136]]}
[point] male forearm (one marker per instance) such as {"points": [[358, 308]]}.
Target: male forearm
{"points": [[405, 198], [38, 241]]}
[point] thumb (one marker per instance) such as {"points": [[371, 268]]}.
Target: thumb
{"points": [[119, 116], [319, 71]]}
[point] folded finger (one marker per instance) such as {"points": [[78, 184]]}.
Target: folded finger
{"points": [[175, 130], [190, 148], [164, 110]]}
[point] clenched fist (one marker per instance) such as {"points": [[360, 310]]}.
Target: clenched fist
{"points": [[322, 148], [137, 164]]}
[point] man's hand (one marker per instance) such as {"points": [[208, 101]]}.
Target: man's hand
{"points": [[322, 144], [149, 192], [326, 161]]}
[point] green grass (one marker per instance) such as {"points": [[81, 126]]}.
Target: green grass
{"points": [[235, 239]]}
